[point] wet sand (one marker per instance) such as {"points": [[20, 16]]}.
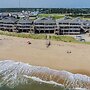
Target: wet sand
{"points": [[55, 57]]}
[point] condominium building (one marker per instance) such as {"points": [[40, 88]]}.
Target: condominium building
{"points": [[45, 25]]}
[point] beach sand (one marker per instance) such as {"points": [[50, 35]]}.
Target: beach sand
{"points": [[55, 57]]}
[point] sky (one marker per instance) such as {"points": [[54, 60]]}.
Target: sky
{"points": [[45, 3]]}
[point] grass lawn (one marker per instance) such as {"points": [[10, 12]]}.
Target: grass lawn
{"points": [[86, 18], [58, 16], [55, 16]]}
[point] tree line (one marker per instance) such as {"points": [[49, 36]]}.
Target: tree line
{"points": [[72, 11]]}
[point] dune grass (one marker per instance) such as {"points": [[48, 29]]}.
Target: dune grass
{"points": [[64, 38], [39, 36], [23, 35]]}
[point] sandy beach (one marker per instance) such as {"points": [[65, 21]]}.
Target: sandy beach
{"points": [[55, 57]]}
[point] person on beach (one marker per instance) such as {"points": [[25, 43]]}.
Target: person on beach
{"points": [[69, 52], [48, 43], [29, 42]]}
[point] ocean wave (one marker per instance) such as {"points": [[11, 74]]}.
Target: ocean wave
{"points": [[14, 73], [40, 80]]}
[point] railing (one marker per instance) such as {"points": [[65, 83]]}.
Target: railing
{"points": [[69, 25], [45, 25], [45, 29], [24, 28], [70, 29]]}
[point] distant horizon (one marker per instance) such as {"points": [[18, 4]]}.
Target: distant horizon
{"points": [[45, 4], [39, 8]]}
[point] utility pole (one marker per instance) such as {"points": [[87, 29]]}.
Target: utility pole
{"points": [[19, 3]]}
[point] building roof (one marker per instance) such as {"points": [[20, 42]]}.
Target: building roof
{"points": [[24, 20], [4, 14], [8, 20], [64, 20], [75, 20], [44, 20]]}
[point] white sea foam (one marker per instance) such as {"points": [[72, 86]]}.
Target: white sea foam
{"points": [[40, 80], [14, 73], [80, 89]]}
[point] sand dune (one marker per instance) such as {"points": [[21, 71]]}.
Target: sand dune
{"points": [[55, 57]]}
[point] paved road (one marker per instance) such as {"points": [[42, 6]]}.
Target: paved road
{"points": [[83, 36]]}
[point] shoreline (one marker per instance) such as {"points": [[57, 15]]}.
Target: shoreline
{"points": [[26, 72], [54, 57]]}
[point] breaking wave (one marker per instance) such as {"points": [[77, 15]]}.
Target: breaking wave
{"points": [[13, 74]]}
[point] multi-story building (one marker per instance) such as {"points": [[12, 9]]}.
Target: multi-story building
{"points": [[85, 26], [8, 24], [65, 26], [25, 25], [69, 26], [45, 25]]}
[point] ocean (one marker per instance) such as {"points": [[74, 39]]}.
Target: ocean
{"points": [[35, 86], [22, 76]]}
